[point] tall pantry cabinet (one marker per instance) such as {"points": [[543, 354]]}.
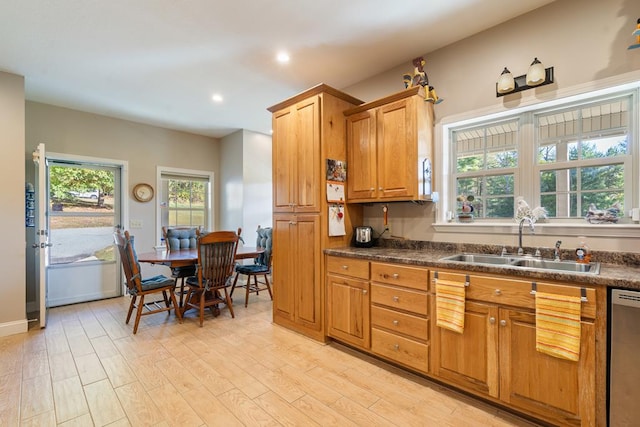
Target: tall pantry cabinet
{"points": [[308, 129]]}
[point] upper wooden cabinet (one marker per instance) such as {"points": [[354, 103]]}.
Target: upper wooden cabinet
{"points": [[390, 148]]}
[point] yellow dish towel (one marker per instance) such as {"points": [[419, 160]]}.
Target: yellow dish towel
{"points": [[450, 298], [558, 325]]}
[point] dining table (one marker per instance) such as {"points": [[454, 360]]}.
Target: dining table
{"points": [[185, 257]]}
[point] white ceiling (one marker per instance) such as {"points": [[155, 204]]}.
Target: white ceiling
{"points": [[160, 61]]}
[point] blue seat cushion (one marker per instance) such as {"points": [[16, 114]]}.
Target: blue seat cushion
{"points": [[156, 282], [252, 269]]}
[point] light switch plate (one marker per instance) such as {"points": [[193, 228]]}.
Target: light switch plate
{"points": [[135, 223]]}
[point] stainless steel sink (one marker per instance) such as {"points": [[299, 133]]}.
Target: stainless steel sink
{"points": [[570, 266], [479, 259], [526, 262]]}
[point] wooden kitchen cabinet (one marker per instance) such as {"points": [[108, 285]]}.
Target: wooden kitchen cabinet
{"points": [[496, 354], [297, 284], [308, 129], [348, 303], [400, 314], [390, 148]]}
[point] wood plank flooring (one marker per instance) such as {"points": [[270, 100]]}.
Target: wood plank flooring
{"points": [[86, 368]]}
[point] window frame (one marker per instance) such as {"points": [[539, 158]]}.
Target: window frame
{"points": [[529, 188], [199, 175]]}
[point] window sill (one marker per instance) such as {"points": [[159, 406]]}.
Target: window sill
{"points": [[628, 230]]}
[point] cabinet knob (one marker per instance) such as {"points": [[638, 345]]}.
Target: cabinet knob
{"points": [[395, 323], [395, 275], [498, 292], [364, 292], [396, 299], [503, 323], [380, 188], [345, 267], [492, 320], [371, 189], [396, 347]]}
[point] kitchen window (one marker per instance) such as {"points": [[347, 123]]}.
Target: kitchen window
{"points": [[568, 159]]}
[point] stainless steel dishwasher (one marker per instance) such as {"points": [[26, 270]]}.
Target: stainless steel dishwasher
{"points": [[624, 369]]}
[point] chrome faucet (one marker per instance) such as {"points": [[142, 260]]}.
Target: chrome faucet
{"points": [[531, 227], [556, 251]]}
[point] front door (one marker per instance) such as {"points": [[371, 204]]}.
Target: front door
{"points": [[83, 210]]}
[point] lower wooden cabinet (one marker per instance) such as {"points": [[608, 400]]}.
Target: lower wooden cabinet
{"points": [[496, 354], [348, 301]]}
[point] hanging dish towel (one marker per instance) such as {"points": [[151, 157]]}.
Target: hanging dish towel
{"points": [[450, 305], [558, 325]]}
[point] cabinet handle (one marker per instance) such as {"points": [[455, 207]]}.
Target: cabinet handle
{"points": [[395, 275], [395, 299], [492, 320], [498, 292], [396, 347], [364, 292], [345, 267], [395, 323], [380, 188], [371, 189], [503, 323]]}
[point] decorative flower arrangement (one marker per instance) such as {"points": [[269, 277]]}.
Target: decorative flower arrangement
{"points": [[524, 211]]}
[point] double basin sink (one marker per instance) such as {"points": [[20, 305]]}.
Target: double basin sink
{"points": [[526, 262]]}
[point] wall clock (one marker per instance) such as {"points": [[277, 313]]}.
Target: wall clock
{"points": [[143, 192]]}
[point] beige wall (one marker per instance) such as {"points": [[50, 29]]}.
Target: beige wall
{"points": [[12, 263], [585, 40]]}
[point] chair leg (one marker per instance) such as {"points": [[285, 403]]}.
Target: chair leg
{"points": [[202, 298], [235, 281], [131, 306], [227, 298], [175, 306], [138, 314], [248, 289], [266, 281]]}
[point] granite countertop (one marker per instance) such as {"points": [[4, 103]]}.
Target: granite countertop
{"points": [[617, 269]]}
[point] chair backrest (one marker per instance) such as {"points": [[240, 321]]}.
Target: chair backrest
{"points": [[264, 240], [180, 237], [216, 258], [129, 260]]}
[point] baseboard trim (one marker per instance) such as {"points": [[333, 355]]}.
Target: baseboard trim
{"points": [[12, 328]]}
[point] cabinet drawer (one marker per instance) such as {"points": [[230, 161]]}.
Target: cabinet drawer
{"points": [[400, 275], [406, 324], [400, 349], [403, 299], [348, 267], [517, 293]]}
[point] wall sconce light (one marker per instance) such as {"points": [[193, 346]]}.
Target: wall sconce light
{"points": [[536, 76]]}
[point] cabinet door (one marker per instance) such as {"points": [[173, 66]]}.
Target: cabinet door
{"points": [[361, 156], [308, 272], [396, 140], [307, 157], [296, 158], [348, 310], [284, 251], [559, 390], [469, 359]]}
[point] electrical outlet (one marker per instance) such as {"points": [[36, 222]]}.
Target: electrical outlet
{"points": [[135, 223]]}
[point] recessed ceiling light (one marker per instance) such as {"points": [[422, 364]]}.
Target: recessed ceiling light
{"points": [[216, 97], [283, 57]]}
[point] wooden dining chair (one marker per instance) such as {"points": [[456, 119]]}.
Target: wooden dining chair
{"points": [[216, 261], [140, 288], [260, 270], [178, 238]]}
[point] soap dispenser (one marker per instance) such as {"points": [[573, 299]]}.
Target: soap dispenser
{"points": [[583, 253]]}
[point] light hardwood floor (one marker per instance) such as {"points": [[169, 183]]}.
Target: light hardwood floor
{"points": [[87, 368]]}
